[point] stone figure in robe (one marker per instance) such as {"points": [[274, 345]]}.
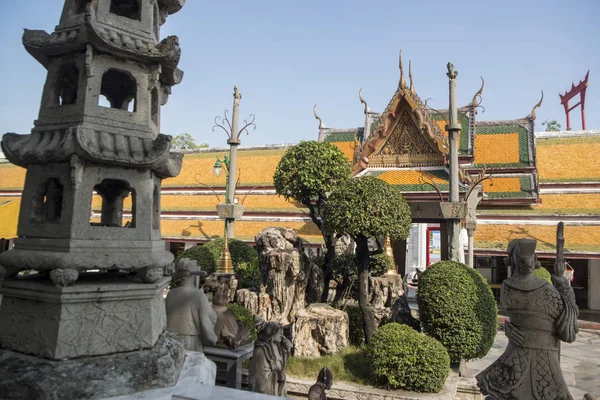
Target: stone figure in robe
{"points": [[270, 357], [324, 382], [189, 314], [541, 315], [230, 332]]}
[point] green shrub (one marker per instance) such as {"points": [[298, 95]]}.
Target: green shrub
{"points": [[542, 273], [457, 307], [400, 357], [380, 264], [245, 317], [248, 274], [207, 255]]}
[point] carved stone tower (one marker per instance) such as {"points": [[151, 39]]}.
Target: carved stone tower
{"points": [[97, 133], [95, 161]]}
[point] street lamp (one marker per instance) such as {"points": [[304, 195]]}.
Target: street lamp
{"points": [[230, 211]]}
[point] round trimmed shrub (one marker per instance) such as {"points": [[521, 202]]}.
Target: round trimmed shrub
{"points": [[542, 273], [207, 255], [457, 307], [400, 357], [380, 264], [203, 257]]}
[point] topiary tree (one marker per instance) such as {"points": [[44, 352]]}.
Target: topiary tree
{"points": [[365, 208], [457, 307], [400, 357], [306, 174], [203, 257]]}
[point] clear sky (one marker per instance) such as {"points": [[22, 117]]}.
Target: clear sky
{"points": [[285, 56]]}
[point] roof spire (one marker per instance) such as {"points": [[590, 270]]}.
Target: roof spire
{"points": [[367, 108], [402, 81], [412, 86], [532, 114], [477, 96], [321, 124]]}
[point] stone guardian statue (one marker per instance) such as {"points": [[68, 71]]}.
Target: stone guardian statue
{"points": [[324, 382], [271, 355], [189, 314], [230, 332], [541, 315]]}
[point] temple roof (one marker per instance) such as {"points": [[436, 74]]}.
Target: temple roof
{"points": [[568, 157]]}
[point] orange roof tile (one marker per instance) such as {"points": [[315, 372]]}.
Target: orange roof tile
{"points": [[497, 148], [409, 177], [11, 176], [577, 238], [553, 204], [568, 159], [502, 185], [347, 148], [207, 202], [255, 167], [244, 230]]}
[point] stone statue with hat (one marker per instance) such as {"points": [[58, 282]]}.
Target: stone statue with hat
{"points": [[541, 315], [189, 314]]}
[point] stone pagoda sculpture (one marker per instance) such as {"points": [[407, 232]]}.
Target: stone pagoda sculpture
{"points": [[97, 131], [91, 201]]}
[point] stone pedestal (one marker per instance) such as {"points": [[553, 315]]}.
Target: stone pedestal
{"points": [[100, 314]]}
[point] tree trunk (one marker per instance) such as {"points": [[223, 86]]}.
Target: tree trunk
{"points": [[362, 263], [327, 269]]}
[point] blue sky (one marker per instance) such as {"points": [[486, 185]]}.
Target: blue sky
{"points": [[285, 56]]}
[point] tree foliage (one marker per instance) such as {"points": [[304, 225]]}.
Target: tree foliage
{"points": [[551, 125], [307, 173], [368, 207], [185, 141], [364, 208]]}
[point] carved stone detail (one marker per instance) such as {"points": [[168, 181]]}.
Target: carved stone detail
{"points": [[63, 277]]}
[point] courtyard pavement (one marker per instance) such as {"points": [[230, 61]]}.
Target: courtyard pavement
{"points": [[580, 362]]}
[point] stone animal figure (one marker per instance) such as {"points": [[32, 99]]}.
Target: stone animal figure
{"points": [[324, 382], [270, 357], [230, 332], [189, 314], [402, 314], [541, 315]]}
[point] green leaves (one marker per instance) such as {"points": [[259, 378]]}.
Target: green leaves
{"points": [[457, 307], [310, 170], [369, 207]]}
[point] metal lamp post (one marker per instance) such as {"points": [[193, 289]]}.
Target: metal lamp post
{"points": [[230, 211]]}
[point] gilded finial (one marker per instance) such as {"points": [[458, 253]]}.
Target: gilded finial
{"points": [[477, 96], [237, 96], [532, 114], [367, 108], [452, 73], [402, 81], [412, 86], [321, 124]]}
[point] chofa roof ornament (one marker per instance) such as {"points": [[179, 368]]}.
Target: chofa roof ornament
{"points": [[367, 108], [402, 81], [321, 124], [532, 113]]}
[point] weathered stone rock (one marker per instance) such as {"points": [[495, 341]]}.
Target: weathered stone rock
{"points": [[27, 377], [259, 304], [320, 329], [215, 283], [385, 290], [344, 245], [285, 269]]}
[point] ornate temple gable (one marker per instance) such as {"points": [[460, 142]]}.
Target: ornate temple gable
{"points": [[405, 134]]}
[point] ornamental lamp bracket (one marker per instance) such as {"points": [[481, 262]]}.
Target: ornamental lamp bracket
{"points": [[452, 210], [230, 211]]}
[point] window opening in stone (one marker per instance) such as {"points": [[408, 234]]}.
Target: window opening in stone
{"points": [[67, 84], [48, 202], [116, 195], [126, 8], [154, 107], [119, 89], [156, 208]]}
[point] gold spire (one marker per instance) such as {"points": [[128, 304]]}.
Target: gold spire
{"points": [[402, 81]]}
